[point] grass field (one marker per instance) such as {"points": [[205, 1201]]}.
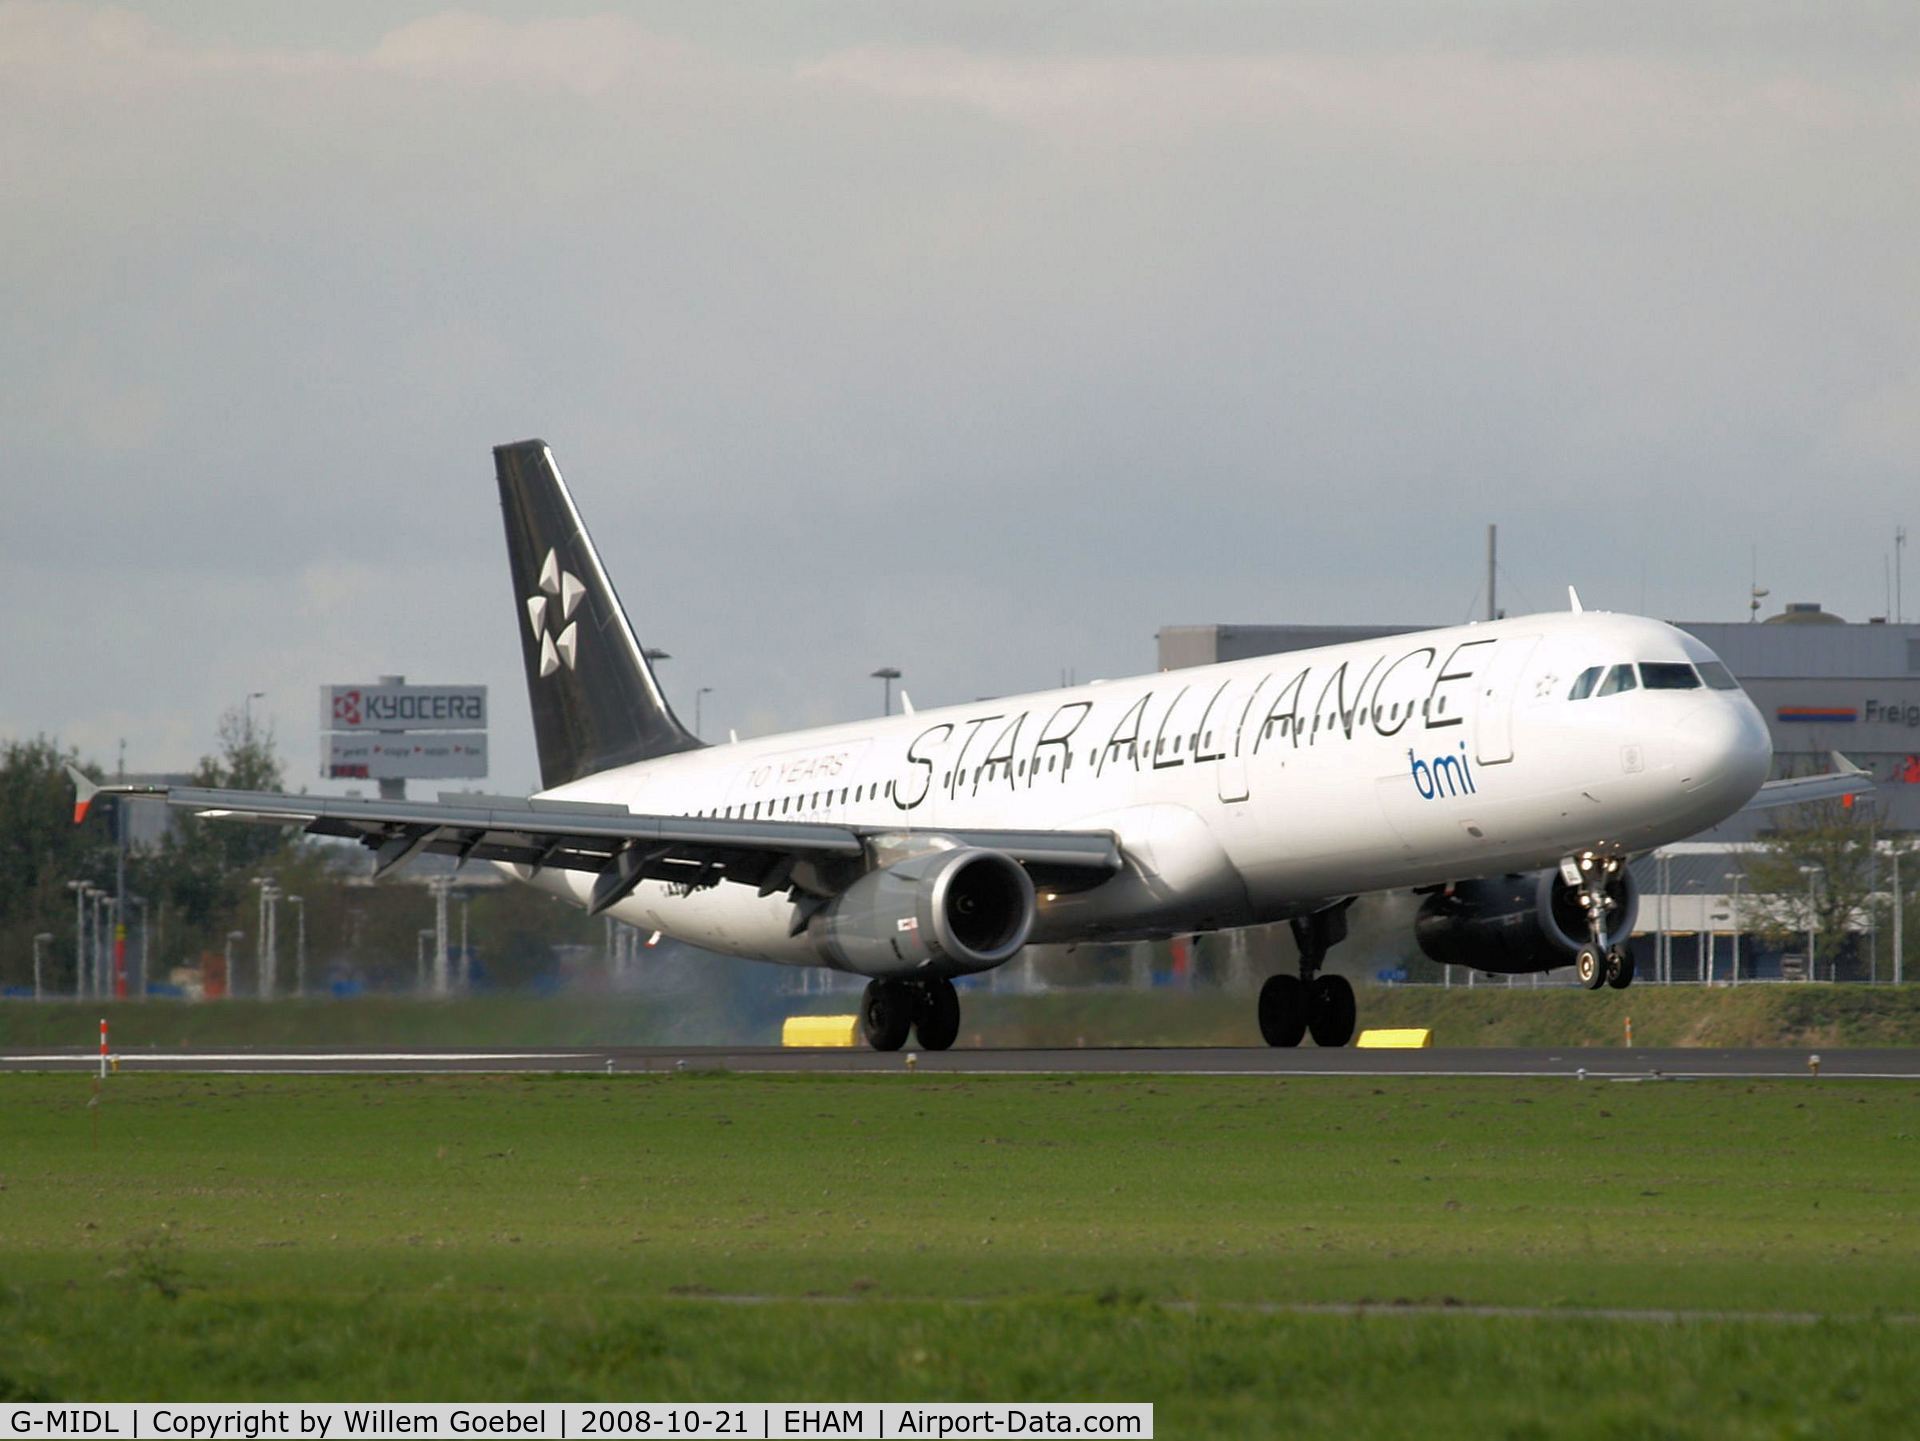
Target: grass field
{"points": [[1487, 1015], [935, 1238]]}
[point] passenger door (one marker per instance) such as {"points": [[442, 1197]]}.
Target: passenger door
{"points": [[1499, 685]]}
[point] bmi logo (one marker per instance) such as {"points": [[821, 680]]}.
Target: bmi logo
{"points": [[1442, 776], [559, 590]]}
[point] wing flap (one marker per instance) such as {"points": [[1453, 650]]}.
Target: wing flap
{"points": [[622, 847]]}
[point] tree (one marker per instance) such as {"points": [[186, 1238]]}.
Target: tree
{"points": [[201, 871], [1826, 849], [41, 849]]}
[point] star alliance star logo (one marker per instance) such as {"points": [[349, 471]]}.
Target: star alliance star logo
{"points": [[556, 585]]}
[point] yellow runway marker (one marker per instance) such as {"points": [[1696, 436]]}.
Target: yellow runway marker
{"points": [[1394, 1040], [820, 1031]]}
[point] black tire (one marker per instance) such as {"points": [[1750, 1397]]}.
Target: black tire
{"points": [[1331, 1011], [1619, 968], [1283, 1010], [886, 1011], [1590, 965], [936, 1017]]}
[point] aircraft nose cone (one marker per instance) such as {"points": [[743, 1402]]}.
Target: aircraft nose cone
{"points": [[1722, 751]]}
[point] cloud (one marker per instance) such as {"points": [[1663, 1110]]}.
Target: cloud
{"points": [[978, 341]]}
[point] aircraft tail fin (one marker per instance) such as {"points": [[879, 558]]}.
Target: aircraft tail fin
{"points": [[596, 703]]}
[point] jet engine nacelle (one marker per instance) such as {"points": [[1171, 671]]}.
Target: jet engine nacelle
{"points": [[940, 913], [1519, 923]]}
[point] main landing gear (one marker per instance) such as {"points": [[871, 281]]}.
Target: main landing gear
{"points": [[931, 1009], [1291, 1007], [1597, 964]]}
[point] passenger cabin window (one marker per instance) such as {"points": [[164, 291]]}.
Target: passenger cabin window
{"points": [[1717, 676], [1583, 687], [1620, 678], [1668, 675]]}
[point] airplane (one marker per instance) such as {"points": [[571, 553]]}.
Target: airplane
{"points": [[1506, 771]]}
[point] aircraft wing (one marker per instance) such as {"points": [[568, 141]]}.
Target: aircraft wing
{"points": [[1845, 779], [622, 848]]}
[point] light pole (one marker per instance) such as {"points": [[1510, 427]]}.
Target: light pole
{"points": [[38, 941], [886, 675], [1899, 929], [438, 887], [705, 690], [246, 707], [466, 956], [300, 945], [1733, 971], [79, 889], [267, 943], [141, 902], [102, 908], [1812, 918], [420, 960], [1701, 968], [232, 936]]}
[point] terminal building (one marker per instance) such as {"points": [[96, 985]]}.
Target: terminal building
{"points": [[1823, 683]]}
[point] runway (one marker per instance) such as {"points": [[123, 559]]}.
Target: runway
{"points": [[1595, 1064]]}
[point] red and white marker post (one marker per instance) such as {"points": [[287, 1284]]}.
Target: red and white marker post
{"points": [[103, 1048]]}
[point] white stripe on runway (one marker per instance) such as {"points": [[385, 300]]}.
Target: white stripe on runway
{"points": [[92, 1058]]}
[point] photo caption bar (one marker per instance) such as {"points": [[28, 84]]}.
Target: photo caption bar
{"points": [[756, 1421]]}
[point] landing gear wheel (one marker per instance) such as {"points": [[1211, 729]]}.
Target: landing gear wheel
{"points": [[936, 1016], [886, 1010], [1330, 1010], [1619, 968], [1283, 1010], [1591, 967]]}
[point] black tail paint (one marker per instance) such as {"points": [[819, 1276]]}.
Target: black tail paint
{"points": [[596, 704]]}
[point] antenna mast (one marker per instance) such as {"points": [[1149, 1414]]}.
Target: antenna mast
{"points": [[1899, 544], [1493, 551]]}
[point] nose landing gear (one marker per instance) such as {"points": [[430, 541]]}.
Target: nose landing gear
{"points": [[1291, 1007], [1597, 964]]}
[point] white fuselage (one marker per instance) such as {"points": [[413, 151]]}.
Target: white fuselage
{"points": [[1249, 791]]}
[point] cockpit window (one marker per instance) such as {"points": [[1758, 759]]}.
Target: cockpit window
{"points": [[1620, 678], [1717, 676], [1583, 687], [1668, 675]]}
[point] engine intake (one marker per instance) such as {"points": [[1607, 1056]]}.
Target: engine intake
{"points": [[1517, 924], [941, 913]]}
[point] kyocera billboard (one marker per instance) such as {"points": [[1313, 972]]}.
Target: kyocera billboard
{"points": [[391, 731], [403, 707]]}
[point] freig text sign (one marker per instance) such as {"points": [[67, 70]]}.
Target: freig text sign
{"points": [[403, 707]]}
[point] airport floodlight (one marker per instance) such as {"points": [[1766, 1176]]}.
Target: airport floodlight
{"points": [[39, 941], [232, 936], [887, 675], [79, 889], [299, 904], [1812, 873]]}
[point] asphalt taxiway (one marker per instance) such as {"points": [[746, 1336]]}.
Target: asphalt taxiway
{"points": [[1615, 1064]]}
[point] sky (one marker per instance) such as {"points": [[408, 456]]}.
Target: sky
{"points": [[977, 339]]}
